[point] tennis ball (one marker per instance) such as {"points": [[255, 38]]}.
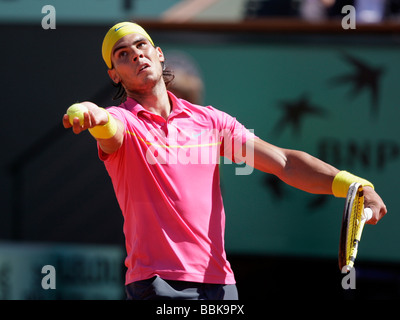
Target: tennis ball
{"points": [[76, 111]]}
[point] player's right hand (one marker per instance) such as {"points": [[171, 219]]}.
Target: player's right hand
{"points": [[94, 117]]}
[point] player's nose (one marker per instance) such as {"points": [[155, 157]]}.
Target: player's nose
{"points": [[136, 55]]}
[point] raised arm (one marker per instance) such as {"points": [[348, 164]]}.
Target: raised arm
{"points": [[97, 120]]}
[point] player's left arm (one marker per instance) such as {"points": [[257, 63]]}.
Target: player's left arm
{"points": [[303, 171], [296, 168]]}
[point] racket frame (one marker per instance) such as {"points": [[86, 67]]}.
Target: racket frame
{"points": [[353, 222]]}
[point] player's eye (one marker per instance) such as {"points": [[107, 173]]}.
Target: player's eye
{"points": [[122, 54]]}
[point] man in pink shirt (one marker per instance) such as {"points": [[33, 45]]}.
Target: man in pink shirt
{"points": [[162, 154]]}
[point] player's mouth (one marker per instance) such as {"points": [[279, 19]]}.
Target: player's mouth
{"points": [[143, 67]]}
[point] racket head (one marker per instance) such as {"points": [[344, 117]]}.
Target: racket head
{"points": [[351, 222]]}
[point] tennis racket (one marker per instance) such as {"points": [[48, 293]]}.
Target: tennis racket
{"points": [[353, 221]]}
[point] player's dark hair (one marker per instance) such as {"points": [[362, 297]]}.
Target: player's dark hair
{"points": [[168, 76]]}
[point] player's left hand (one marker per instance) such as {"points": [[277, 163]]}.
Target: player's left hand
{"points": [[373, 200]]}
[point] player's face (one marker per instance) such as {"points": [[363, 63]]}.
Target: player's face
{"points": [[136, 63]]}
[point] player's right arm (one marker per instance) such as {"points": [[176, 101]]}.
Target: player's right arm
{"points": [[97, 116]]}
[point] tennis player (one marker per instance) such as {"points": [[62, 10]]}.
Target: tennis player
{"points": [[162, 155]]}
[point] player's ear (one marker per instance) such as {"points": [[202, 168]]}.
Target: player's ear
{"points": [[160, 54], [114, 76]]}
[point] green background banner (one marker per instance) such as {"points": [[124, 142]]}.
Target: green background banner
{"points": [[335, 100]]}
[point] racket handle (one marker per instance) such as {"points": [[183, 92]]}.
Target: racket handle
{"points": [[367, 214]]}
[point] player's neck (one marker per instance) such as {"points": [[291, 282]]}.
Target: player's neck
{"points": [[155, 100]]}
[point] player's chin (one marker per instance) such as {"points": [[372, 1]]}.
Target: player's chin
{"points": [[149, 80]]}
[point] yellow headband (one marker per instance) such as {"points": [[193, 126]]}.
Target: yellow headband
{"points": [[117, 32]]}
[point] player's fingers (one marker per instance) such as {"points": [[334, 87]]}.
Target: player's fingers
{"points": [[375, 202], [87, 123], [66, 122], [383, 211], [77, 128]]}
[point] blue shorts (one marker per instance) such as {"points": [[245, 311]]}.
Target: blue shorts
{"points": [[159, 289]]}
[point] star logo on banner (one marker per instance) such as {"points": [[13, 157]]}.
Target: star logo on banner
{"points": [[364, 77], [294, 113], [275, 185]]}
